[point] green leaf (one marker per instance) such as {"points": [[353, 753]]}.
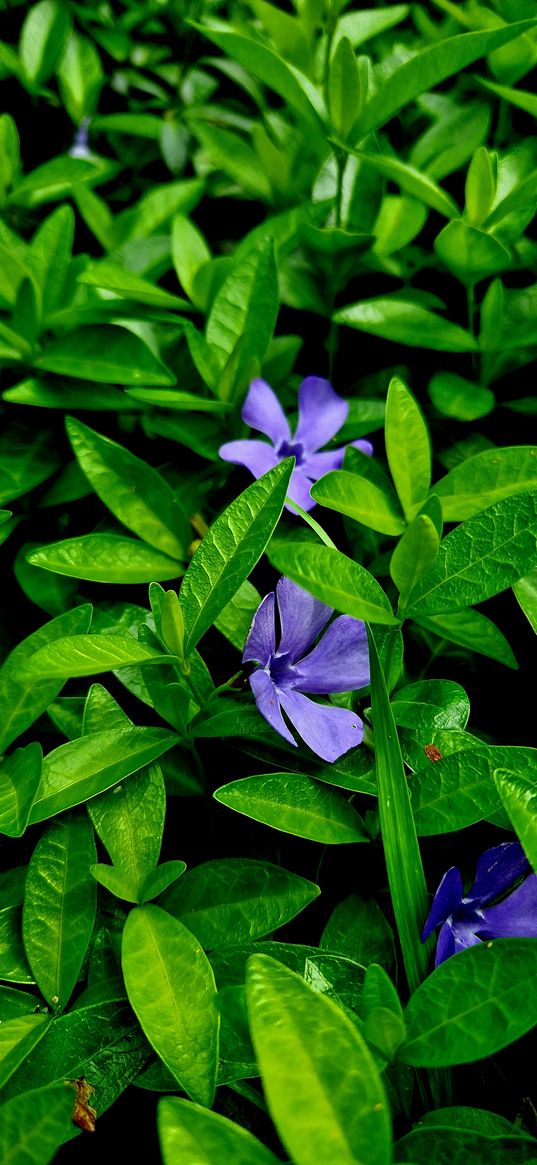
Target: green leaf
{"points": [[295, 804], [244, 312], [42, 41], [235, 157], [486, 478], [469, 1007], [80, 77], [362, 25], [18, 1037], [414, 555], [408, 447], [345, 89], [50, 256], [60, 903], [130, 821], [104, 353], [458, 790], [361, 499], [159, 879], [398, 831], [112, 277], [171, 988], [22, 701], [20, 773], [518, 792], [483, 556], [411, 180], [190, 1133], [322, 1087], [235, 620], [82, 768], [519, 97], [429, 704], [470, 254], [14, 1003], [34, 1125], [525, 592], [231, 900], [106, 558], [471, 629], [87, 655], [230, 550], [358, 928], [26, 460], [458, 398], [430, 67], [189, 252], [450, 1145], [406, 322], [335, 579]]}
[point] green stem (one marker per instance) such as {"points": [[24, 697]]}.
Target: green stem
{"points": [[311, 522]]}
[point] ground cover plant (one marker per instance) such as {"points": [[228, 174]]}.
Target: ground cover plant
{"points": [[268, 326]]}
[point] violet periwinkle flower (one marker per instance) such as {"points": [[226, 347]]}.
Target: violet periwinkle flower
{"points": [[321, 413], [465, 921], [338, 662]]}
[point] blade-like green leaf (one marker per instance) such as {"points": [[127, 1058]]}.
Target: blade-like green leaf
{"points": [[42, 41], [107, 558], [80, 769], [191, 1134], [60, 901], [232, 900], [323, 1089], [361, 499], [107, 354], [295, 804], [411, 180], [469, 1007], [130, 822], [519, 795], [34, 1125], [483, 556], [408, 448], [113, 277], [87, 655], [18, 1037], [525, 591], [171, 988], [20, 773], [134, 492], [25, 461], [334, 579], [243, 315], [230, 550], [406, 322], [414, 555], [473, 630], [480, 481]]}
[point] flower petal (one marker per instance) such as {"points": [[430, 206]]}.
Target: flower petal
{"points": [[261, 639], [301, 618], [321, 413], [263, 411], [317, 464], [299, 489], [496, 871], [516, 916], [339, 662], [257, 456], [446, 900], [329, 731], [454, 938], [268, 703], [365, 447]]}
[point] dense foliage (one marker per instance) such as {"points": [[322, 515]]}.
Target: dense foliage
{"points": [[211, 212]]}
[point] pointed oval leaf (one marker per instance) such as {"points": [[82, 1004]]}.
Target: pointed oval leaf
{"points": [[471, 629], [87, 655], [406, 322], [361, 499], [107, 354], [335, 579], [130, 822], [458, 790], [230, 550], [189, 1133], [323, 1089], [408, 447], [18, 1037], [35, 1124], [518, 792], [20, 774], [107, 558], [486, 478], [171, 988], [295, 804]]}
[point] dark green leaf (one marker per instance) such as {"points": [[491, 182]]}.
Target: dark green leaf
{"points": [[406, 322], [20, 773], [105, 353], [188, 1132], [34, 1125], [473, 630], [295, 804], [334, 579], [518, 792]]}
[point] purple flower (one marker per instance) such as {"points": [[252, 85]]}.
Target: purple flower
{"points": [[321, 413], [466, 921], [339, 662]]}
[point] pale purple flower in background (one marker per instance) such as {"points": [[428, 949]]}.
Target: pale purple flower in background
{"points": [[321, 413], [80, 147], [339, 662], [465, 921]]}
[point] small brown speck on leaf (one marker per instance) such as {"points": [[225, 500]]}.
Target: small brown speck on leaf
{"points": [[83, 1114], [432, 752]]}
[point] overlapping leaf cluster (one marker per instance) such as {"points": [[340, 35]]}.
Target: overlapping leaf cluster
{"points": [[194, 193]]}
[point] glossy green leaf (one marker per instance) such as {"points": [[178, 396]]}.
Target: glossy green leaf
{"points": [[34, 1125], [414, 555], [458, 398], [244, 313], [235, 620], [406, 322], [230, 550], [189, 252], [470, 254], [321, 1084], [18, 1037], [471, 629], [191, 1134], [358, 928], [159, 879], [107, 354], [483, 556], [132, 490], [130, 820], [87, 655], [430, 67], [20, 773], [469, 1007], [334, 579], [60, 902], [486, 478], [231, 900], [42, 41], [398, 831], [429, 704], [232, 154], [107, 558], [112, 277], [14, 1003], [295, 804], [525, 592], [518, 792], [80, 77], [26, 460], [50, 256], [449, 1145], [361, 499], [408, 447], [82, 768], [458, 790], [171, 988], [22, 701], [413, 181]]}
